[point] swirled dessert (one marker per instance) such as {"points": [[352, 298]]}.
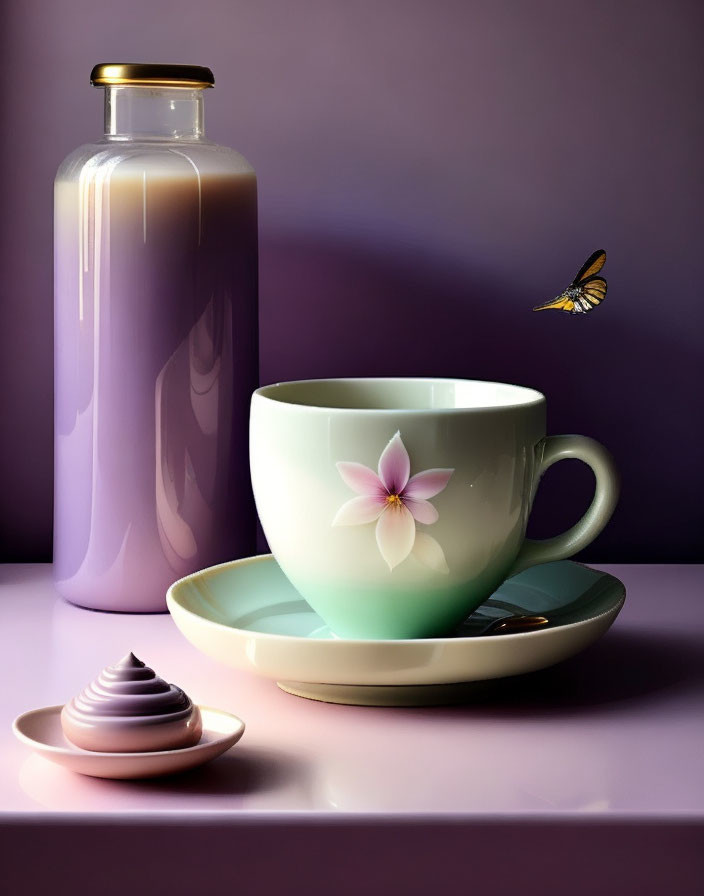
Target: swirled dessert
{"points": [[129, 709]]}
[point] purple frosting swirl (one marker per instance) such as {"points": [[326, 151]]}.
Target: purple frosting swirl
{"points": [[129, 689]]}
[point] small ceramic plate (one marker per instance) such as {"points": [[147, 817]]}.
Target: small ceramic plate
{"points": [[41, 730], [246, 614]]}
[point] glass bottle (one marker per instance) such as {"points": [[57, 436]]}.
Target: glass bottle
{"points": [[155, 241]]}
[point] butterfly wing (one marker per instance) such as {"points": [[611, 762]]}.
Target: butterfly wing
{"points": [[591, 266], [561, 303], [593, 290]]}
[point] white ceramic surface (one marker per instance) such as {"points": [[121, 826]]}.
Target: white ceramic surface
{"points": [[40, 729], [397, 506], [246, 614]]}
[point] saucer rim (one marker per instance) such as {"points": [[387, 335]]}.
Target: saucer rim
{"points": [[171, 598], [71, 750]]}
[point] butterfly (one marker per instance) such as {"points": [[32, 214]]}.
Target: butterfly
{"points": [[585, 292]]}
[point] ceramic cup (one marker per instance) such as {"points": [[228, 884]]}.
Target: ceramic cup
{"points": [[397, 506]]}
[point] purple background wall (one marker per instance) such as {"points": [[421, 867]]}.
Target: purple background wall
{"points": [[429, 171]]}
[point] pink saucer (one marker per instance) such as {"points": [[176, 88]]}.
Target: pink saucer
{"points": [[41, 730]]}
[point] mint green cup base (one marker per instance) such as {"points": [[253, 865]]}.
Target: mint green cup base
{"points": [[376, 613]]}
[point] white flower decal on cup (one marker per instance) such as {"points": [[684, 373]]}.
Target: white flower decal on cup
{"points": [[396, 501]]}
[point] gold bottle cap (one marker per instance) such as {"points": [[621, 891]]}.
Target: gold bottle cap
{"points": [[150, 74]]}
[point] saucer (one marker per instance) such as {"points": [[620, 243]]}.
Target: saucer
{"points": [[247, 614], [41, 730]]}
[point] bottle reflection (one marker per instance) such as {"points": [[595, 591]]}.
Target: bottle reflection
{"points": [[193, 398]]}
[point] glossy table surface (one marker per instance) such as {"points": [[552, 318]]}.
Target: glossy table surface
{"points": [[614, 736]]}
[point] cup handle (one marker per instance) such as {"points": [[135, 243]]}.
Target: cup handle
{"points": [[589, 451]]}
